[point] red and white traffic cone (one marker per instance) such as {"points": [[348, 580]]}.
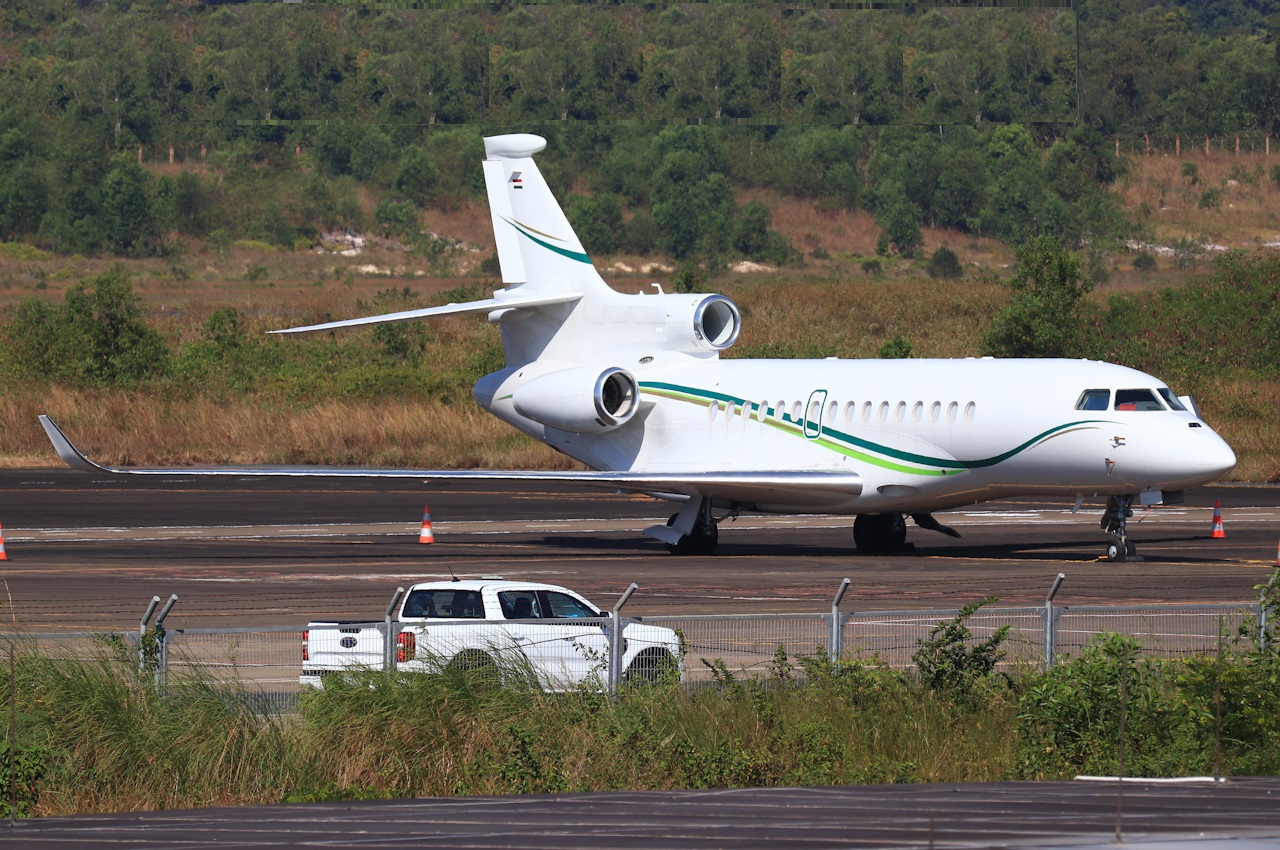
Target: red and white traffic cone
{"points": [[425, 536], [1218, 532], [3, 556]]}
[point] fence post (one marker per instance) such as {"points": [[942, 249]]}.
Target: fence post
{"points": [[1050, 624], [615, 639], [142, 633], [388, 640], [836, 647], [1264, 613], [162, 644]]}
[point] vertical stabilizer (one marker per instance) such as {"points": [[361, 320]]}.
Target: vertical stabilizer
{"points": [[536, 245]]}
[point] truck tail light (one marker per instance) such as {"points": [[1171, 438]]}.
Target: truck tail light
{"points": [[407, 647], [306, 654]]}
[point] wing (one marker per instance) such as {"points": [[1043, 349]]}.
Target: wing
{"points": [[503, 300], [741, 486]]}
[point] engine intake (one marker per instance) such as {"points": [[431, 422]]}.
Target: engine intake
{"points": [[580, 400], [702, 322]]}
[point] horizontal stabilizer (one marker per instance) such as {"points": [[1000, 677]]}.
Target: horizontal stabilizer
{"points": [[739, 486], [488, 305]]}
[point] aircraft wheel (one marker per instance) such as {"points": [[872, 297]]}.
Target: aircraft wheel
{"points": [[878, 532], [1119, 553], [701, 541]]}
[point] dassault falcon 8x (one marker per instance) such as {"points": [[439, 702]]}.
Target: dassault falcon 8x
{"points": [[633, 387]]}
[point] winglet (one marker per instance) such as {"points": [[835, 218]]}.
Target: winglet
{"points": [[70, 455]]}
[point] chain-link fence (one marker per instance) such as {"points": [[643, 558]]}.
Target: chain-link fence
{"points": [[564, 653]]}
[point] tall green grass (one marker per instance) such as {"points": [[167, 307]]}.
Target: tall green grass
{"points": [[107, 740]]}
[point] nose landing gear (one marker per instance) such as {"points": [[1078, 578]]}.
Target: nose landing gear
{"points": [[1115, 521]]}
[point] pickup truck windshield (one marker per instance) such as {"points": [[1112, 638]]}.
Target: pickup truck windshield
{"points": [[444, 604]]}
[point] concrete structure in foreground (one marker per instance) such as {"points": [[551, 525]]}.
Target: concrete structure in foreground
{"points": [[1240, 814]]}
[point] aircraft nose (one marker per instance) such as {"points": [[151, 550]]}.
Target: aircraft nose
{"points": [[1219, 459]]}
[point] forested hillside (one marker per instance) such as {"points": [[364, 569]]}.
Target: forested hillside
{"points": [[287, 120]]}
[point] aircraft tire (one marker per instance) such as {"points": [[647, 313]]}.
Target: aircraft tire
{"points": [[702, 541], [879, 532]]}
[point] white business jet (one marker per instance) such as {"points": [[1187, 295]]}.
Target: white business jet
{"points": [[633, 386]]}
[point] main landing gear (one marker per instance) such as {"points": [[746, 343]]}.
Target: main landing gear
{"points": [[886, 532], [702, 539], [879, 532], [1115, 521]]}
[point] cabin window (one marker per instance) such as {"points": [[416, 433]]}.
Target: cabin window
{"points": [[815, 411], [1137, 400], [884, 411], [900, 412], [832, 410], [970, 410], [1094, 400], [796, 410], [866, 411], [917, 411], [762, 411], [781, 410], [520, 605], [1170, 399], [935, 411], [712, 410], [728, 411], [444, 604], [952, 410]]}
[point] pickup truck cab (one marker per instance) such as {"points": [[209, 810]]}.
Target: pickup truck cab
{"points": [[543, 630]]}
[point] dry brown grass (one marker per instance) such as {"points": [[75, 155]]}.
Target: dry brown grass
{"points": [[1247, 214], [124, 428], [856, 317]]}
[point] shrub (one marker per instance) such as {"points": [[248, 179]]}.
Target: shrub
{"points": [[1145, 261], [96, 335], [1210, 199], [944, 264], [896, 348], [946, 660], [1045, 316]]}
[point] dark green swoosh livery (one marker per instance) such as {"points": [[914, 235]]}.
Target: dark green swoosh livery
{"points": [[856, 447]]}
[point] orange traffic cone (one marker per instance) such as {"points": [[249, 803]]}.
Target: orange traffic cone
{"points": [[425, 536], [1218, 531], [3, 556]]}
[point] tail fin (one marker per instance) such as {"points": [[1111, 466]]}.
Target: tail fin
{"points": [[536, 244]]}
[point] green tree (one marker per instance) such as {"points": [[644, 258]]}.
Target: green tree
{"points": [[130, 222], [1045, 317], [96, 335], [418, 178]]}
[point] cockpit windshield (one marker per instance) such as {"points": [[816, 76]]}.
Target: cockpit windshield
{"points": [[1171, 399], [1137, 400], [1094, 400]]}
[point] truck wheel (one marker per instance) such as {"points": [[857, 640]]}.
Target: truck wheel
{"points": [[471, 663], [650, 666]]}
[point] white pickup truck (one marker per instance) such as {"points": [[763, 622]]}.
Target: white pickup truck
{"points": [[515, 626]]}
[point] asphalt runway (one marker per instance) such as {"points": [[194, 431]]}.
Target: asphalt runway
{"points": [[1237, 815], [88, 552]]}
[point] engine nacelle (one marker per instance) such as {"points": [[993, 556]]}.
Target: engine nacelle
{"points": [[581, 400], [702, 322]]}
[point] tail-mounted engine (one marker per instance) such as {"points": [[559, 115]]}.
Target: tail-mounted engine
{"points": [[702, 322], [581, 400]]}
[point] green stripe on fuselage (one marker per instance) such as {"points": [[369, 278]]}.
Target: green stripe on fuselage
{"points": [[849, 445]]}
